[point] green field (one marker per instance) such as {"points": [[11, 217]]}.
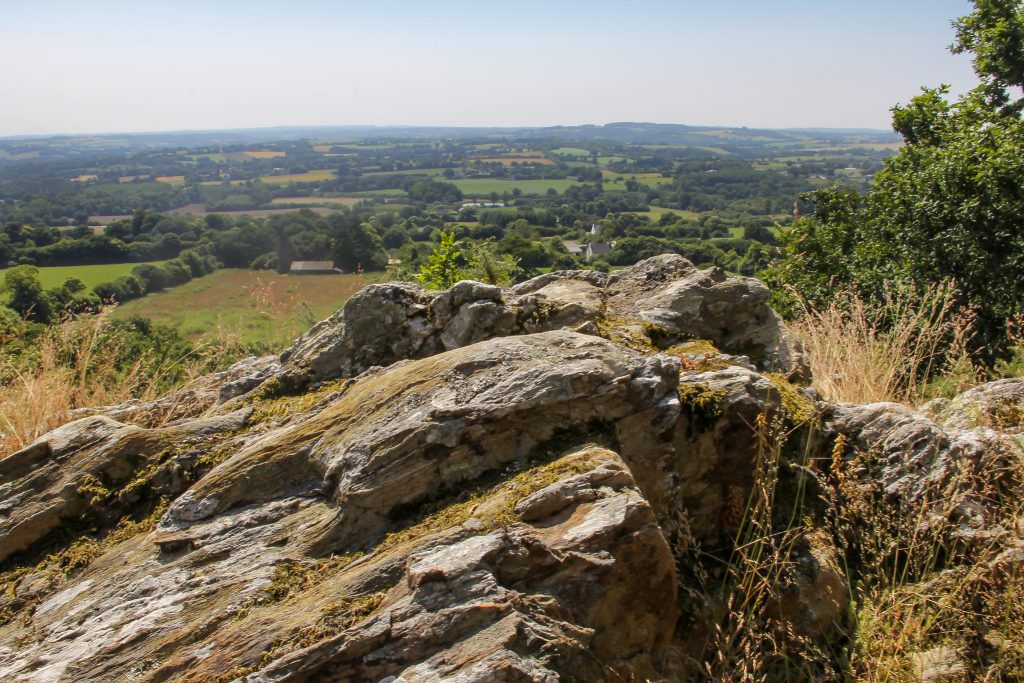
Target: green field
{"points": [[326, 201], [389, 192], [482, 187], [571, 152], [612, 184], [307, 177], [54, 276], [249, 306], [656, 212], [432, 172]]}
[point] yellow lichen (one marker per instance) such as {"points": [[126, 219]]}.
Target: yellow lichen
{"points": [[291, 577], [335, 618], [455, 512], [85, 549], [697, 355], [694, 347], [77, 555]]}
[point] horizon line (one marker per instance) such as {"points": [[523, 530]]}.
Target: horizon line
{"points": [[400, 126]]}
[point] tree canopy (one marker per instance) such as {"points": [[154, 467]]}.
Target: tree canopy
{"points": [[948, 205]]}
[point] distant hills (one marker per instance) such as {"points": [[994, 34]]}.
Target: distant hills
{"points": [[623, 132]]}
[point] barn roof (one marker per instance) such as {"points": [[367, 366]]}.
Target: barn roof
{"points": [[311, 265]]}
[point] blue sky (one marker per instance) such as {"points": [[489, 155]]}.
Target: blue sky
{"points": [[107, 66]]}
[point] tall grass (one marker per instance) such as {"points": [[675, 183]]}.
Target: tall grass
{"points": [[84, 363], [924, 581], [755, 637], [902, 347], [922, 584]]}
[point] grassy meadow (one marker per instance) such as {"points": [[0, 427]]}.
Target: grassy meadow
{"points": [[54, 276], [617, 181], [577, 152], [248, 306], [485, 186], [656, 212], [514, 160]]}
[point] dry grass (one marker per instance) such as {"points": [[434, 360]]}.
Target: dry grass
{"points": [[262, 307], [70, 367], [264, 154], [928, 588], [924, 581], [752, 640], [893, 349]]}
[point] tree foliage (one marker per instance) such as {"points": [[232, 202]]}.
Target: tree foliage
{"points": [[994, 35], [27, 297], [485, 264], [443, 267], [357, 244], [947, 206]]}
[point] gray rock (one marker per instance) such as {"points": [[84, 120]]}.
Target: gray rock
{"points": [[383, 324], [489, 495]]}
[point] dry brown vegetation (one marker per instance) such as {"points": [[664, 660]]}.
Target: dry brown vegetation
{"points": [[904, 348], [69, 366], [930, 598]]}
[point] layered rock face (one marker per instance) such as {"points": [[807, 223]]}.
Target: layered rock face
{"points": [[473, 485]]}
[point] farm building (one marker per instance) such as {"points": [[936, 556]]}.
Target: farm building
{"points": [[573, 247], [313, 268], [597, 249]]}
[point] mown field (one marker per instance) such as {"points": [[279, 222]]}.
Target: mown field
{"points": [[620, 185], [485, 186], [578, 152], [248, 306], [617, 181], [342, 201], [307, 177], [54, 276]]}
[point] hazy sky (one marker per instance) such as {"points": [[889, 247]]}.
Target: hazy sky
{"points": [[112, 65]]}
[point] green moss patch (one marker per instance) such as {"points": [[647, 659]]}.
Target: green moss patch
{"points": [[797, 407], [266, 405], [702, 403], [629, 333]]}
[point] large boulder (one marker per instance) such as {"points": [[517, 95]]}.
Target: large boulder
{"points": [[441, 518]]}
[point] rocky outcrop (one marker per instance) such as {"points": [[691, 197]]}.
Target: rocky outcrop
{"points": [[482, 484], [665, 300], [74, 471]]}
